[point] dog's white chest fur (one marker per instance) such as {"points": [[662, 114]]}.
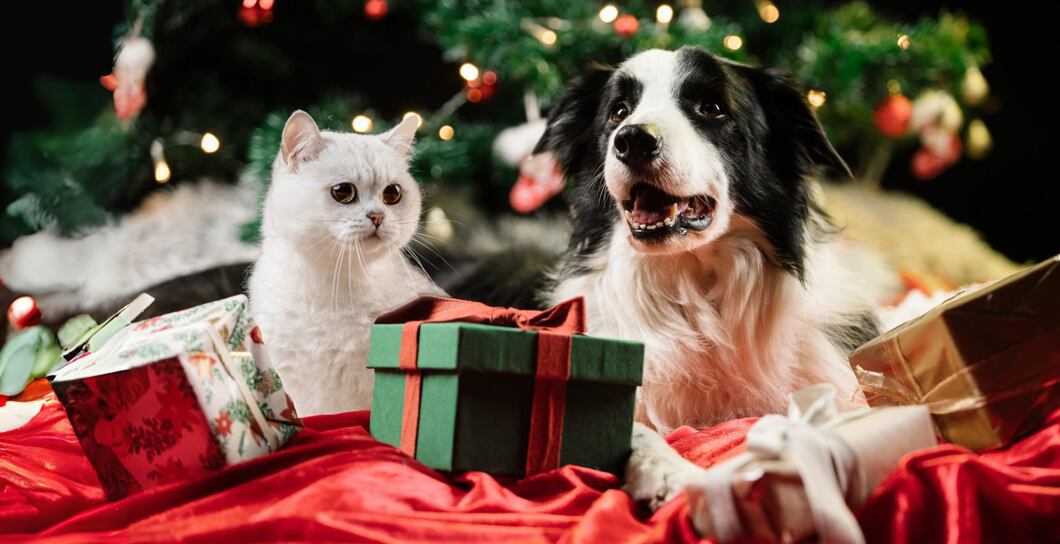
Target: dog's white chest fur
{"points": [[726, 334]]}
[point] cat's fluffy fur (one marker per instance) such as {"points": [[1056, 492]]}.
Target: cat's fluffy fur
{"points": [[325, 270]]}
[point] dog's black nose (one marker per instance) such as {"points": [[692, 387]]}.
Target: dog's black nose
{"points": [[636, 144]]}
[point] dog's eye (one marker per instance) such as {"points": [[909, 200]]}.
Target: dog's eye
{"points": [[619, 112], [711, 110], [391, 194], [344, 193]]}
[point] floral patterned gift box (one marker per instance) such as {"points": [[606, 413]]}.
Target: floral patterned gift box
{"points": [[175, 397]]}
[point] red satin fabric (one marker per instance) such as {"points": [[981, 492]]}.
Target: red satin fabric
{"points": [[334, 483]]}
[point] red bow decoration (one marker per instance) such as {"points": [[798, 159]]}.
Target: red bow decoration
{"points": [[555, 327]]}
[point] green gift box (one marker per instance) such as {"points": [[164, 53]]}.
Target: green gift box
{"points": [[472, 395]]}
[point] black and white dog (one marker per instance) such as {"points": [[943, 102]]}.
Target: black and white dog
{"points": [[695, 231]]}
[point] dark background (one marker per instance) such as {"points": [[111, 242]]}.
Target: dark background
{"points": [[1012, 197]]}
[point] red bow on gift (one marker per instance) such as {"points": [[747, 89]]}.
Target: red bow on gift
{"points": [[555, 327]]}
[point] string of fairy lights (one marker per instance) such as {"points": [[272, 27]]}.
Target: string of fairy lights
{"points": [[479, 84]]}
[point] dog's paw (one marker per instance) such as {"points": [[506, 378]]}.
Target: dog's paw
{"points": [[655, 472]]}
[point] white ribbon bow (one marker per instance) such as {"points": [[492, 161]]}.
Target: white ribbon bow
{"points": [[826, 465]]}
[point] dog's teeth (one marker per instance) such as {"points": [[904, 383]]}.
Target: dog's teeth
{"points": [[668, 222], [659, 224], [652, 227], [673, 211]]}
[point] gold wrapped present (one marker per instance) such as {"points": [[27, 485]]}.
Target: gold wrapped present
{"points": [[802, 474], [986, 362]]}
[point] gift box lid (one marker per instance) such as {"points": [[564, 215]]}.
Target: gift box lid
{"points": [[218, 326], [471, 347]]}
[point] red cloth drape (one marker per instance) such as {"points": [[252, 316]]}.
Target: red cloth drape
{"points": [[334, 483]]}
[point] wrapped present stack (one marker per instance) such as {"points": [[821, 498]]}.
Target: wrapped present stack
{"points": [[986, 363], [174, 397], [463, 386]]}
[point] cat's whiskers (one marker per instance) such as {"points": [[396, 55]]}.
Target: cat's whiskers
{"points": [[360, 258], [349, 277], [316, 256], [415, 257], [429, 247], [335, 278], [405, 266]]}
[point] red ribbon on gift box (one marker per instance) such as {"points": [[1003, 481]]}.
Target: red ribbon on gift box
{"points": [[555, 327]]}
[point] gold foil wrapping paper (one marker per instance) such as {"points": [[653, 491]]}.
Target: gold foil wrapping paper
{"points": [[986, 362]]}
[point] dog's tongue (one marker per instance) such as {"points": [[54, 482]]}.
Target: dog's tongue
{"points": [[651, 205]]}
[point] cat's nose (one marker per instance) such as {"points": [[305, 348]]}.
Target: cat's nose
{"points": [[376, 217]]}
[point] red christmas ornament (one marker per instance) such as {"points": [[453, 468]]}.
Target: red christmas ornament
{"points": [[375, 10], [626, 25], [892, 116], [540, 179], [23, 312]]}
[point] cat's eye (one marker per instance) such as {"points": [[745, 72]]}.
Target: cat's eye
{"points": [[391, 194], [711, 110], [344, 193], [619, 112]]}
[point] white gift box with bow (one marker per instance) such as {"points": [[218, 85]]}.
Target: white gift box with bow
{"points": [[803, 473]]}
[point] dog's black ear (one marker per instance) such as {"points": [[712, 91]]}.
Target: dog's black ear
{"points": [[568, 134], [796, 138]]}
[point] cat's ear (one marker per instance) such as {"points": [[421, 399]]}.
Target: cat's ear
{"points": [[400, 137], [301, 140]]}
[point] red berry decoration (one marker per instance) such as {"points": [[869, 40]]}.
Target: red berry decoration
{"points": [[375, 9], [892, 116], [626, 25], [23, 312]]}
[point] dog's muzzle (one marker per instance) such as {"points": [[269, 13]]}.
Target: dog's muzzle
{"points": [[637, 145], [654, 215]]}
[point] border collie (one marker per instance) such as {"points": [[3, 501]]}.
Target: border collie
{"points": [[695, 231]]}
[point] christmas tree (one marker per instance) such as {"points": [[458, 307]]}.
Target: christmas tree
{"points": [[187, 104]]}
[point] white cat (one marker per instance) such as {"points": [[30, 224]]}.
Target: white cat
{"points": [[340, 209]]}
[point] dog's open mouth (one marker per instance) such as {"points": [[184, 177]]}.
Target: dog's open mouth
{"points": [[655, 214]]}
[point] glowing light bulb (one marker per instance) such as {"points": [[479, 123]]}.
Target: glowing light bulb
{"points": [[732, 42], [446, 132], [419, 119], [362, 124], [469, 71], [209, 143], [816, 98], [769, 12], [664, 14], [162, 172], [904, 41], [547, 37], [608, 13]]}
